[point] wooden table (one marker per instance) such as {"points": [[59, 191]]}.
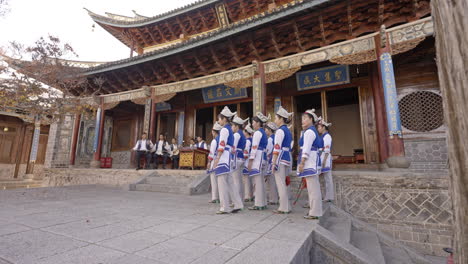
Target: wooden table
{"points": [[193, 158]]}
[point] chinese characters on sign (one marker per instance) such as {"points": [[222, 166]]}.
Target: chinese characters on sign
{"points": [[163, 106], [35, 143], [323, 77], [221, 93], [390, 93]]}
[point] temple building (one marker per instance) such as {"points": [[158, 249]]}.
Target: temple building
{"points": [[368, 67]]}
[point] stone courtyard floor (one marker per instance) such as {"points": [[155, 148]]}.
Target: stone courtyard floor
{"points": [[90, 224]]}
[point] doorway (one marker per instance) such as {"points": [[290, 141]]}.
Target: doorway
{"points": [[167, 125], [204, 123]]}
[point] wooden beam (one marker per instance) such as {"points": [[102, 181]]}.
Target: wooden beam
{"points": [[254, 49], [151, 35], [202, 19], [170, 30], [143, 37], [182, 65], [168, 69], [298, 36], [160, 33], [350, 18], [234, 52], [192, 24], [184, 31], [199, 63], [156, 73], [322, 30], [381, 11], [215, 58], [275, 43]]}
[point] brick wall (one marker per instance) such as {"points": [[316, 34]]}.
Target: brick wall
{"points": [[427, 155], [413, 208], [110, 177], [59, 143]]}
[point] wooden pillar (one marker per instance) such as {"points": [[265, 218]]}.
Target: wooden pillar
{"points": [[33, 153], [76, 130], [19, 152], [259, 88], [323, 97], [98, 136], [396, 149], [379, 108], [147, 116], [152, 122]]}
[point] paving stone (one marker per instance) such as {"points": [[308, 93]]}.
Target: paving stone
{"points": [[266, 250], [143, 223], [101, 233], [45, 219], [6, 229], [135, 241], [213, 235], [241, 241], [173, 228], [295, 230], [177, 250], [132, 259], [28, 246], [217, 255], [91, 254]]}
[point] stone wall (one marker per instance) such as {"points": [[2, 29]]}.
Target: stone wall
{"points": [[110, 177], [413, 208], [7, 171], [121, 159], [59, 143], [427, 155]]}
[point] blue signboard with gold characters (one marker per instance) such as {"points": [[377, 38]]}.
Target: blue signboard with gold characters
{"points": [[323, 77], [220, 93], [390, 94]]}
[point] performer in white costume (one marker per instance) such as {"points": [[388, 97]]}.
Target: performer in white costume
{"points": [[326, 159], [308, 166], [239, 147], [248, 186], [213, 152], [272, 193], [223, 165], [282, 159], [256, 159]]}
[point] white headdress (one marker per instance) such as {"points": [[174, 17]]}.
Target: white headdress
{"points": [[272, 126], [239, 120], [312, 112], [263, 118], [227, 112], [217, 126], [283, 113], [324, 123], [248, 128]]}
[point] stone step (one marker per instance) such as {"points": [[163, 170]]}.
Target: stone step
{"points": [[9, 185], [368, 243], [394, 255], [178, 173], [168, 180], [163, 188], [341, 227]]}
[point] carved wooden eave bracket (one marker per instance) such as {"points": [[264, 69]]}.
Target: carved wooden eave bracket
{"points": [[355, 51]]}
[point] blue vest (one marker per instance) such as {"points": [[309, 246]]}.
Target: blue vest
{"points": [[217, 143], [318, 142], [286, 155], [230, 139], [201, 145], [240, 145], [249, 139], [264, 140]]}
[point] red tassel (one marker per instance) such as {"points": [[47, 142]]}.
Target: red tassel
{"points": [[304, 183], [288, 180]]}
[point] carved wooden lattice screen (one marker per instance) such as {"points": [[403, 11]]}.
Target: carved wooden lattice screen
{"points": [[421, 111]]}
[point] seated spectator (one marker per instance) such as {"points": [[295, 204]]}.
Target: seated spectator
{"points": [[174, 154], [161, 150], [201, 144], [142, 148]]}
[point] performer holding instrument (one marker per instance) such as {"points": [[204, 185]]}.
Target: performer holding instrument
{"points": [[223, 165], [282, 159], [256, 159], [309, 160]]}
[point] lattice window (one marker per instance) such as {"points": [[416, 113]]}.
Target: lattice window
{"points": [[421, 111]]}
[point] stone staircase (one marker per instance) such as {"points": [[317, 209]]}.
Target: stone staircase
{"points": [[341, 238], [187, 182]]}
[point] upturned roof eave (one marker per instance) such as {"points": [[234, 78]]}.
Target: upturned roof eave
{"points": [[140, 22], [209, 38]]}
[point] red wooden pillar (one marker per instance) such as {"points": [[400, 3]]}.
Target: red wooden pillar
{"points": [[396, 149], [152, 120], [76, 129], [379, 108], [259, 88]]}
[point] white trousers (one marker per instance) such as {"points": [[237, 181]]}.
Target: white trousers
{"points": [[315, 195], [237, 179], [329, 188], [272, 189], [280, 177], [248, 188], [260, 194], [214, 187], [234, 194]]}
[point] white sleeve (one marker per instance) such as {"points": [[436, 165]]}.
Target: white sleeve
{"points": [[136, 145], [309, 137], [279, 137], [269, 147], [255, 142], [327, 141], [212, 149], [247, 149], [223, 136], [205, 146], [167, 146], [236, 140]]}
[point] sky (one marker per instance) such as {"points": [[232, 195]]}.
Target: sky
{"points": [[28, 20]]}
